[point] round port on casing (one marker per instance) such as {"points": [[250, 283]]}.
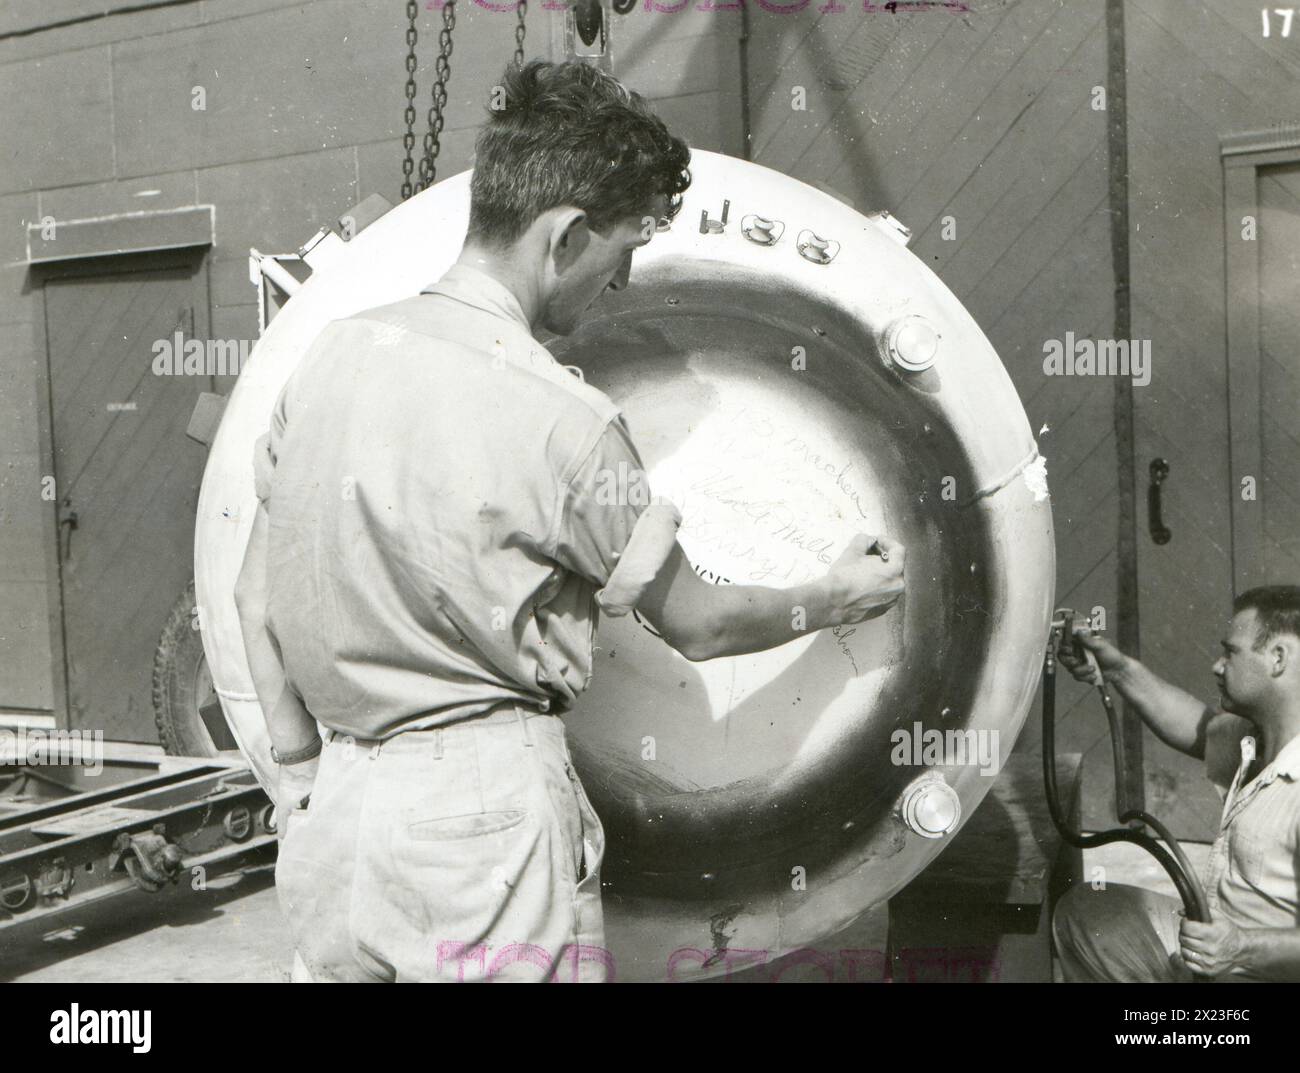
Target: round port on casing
{"points": [[912, 343]]}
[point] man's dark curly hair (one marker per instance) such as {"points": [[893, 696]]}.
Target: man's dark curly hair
{"points": [[569, 134], [1277, 610]]}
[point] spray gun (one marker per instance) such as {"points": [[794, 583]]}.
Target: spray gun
{"points": [[1065, 633], [1069, 633]]}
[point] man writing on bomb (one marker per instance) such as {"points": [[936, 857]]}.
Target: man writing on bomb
{"points": [[431, 553]]}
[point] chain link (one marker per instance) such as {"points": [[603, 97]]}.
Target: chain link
{"points": [[441, 74], [408, 139], [520, 30]]}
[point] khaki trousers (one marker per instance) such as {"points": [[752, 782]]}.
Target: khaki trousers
{"points": [[1124, 935], [465, 853]]}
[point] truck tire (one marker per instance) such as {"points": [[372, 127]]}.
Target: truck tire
{"points": [[187, 710]]}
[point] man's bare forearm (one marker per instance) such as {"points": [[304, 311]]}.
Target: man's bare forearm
{"points": [[754, 618], [1273, 953], [1176, 717], [288, 722], [703, 621]]}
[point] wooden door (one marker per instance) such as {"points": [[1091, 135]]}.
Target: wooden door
{"points": [[1278, 191], [126, 478]]}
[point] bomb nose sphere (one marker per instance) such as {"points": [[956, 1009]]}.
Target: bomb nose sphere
{"points": [[785, 403]]}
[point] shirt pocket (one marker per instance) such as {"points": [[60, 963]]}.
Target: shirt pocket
{"points": [[1248, 853]]}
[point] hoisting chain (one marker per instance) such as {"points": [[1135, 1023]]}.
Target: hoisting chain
{"points": [[520, 30], [408, 139], [441, 73]]}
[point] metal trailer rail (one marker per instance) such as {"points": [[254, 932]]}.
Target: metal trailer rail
{"points": [[185, 819]]}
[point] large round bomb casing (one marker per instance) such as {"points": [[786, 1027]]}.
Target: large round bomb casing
{"points": [[786, 395]]}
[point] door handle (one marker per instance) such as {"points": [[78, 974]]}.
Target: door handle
{"points": [[68, 520], [1157, 472]]}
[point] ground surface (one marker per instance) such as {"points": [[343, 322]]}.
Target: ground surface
{"points": [[233, 932]]}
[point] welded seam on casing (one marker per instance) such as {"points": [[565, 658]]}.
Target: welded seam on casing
{"points": [[997, 486]]}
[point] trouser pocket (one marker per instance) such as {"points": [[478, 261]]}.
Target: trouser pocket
{"points": [[594, 963], [591, 835]]}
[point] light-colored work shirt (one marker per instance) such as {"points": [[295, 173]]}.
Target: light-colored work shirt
{"points": [[447, 508], [1253, 876]]}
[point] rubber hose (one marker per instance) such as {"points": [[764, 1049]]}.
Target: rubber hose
{"points": [[1176, 865]]}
